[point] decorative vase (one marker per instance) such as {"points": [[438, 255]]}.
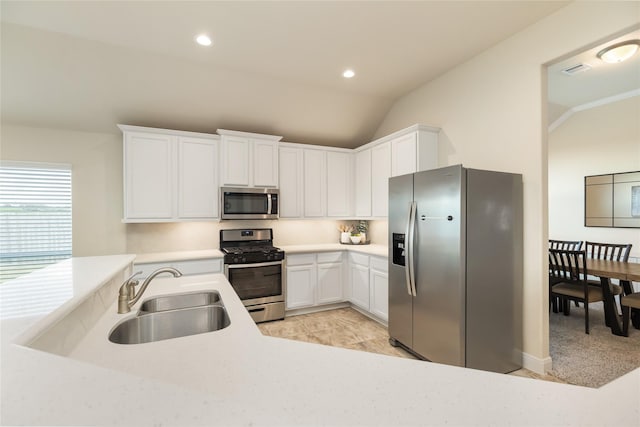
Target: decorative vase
{"points": [[355, 239], [344, 237]]}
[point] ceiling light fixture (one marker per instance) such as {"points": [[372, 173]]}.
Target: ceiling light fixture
{"points": [[348, 74], [203, 40], [619, 52]]}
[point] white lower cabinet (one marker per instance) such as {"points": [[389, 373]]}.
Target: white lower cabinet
{"points": [[330, 283], [359, 278], [301, 285], [314, 279], [379, 287], [324, 278]]}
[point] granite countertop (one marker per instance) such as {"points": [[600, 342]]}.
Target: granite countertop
{"points": [[236, 376]]}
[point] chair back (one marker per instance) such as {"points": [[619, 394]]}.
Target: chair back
{"points": [[567, 245], [567, 266], [609, 251]]}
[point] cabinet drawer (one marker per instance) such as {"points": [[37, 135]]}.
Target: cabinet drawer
{"points": [[380, 264], [329, 257], [359, 259], [303, 259]]}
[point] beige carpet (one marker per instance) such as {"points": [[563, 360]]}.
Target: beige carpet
{"points": [[590, 360]]}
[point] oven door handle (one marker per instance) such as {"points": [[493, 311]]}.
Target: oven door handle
{"points": [[258, 264]]}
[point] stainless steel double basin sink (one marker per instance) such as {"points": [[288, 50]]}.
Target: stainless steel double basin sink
{"points": [[172, 316]]}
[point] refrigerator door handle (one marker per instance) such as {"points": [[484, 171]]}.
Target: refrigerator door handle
{"points": [[407, 248], [410, 268]]}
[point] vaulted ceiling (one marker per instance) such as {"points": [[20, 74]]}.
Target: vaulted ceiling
{"points": [[274, 67]]}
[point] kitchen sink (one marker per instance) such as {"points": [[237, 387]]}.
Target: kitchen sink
{"points": [[164, 325], [178, 301]]}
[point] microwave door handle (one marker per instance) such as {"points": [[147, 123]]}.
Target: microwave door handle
{"points": [[269, 204]]}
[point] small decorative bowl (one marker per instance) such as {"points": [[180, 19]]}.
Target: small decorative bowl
{"points": [[355, 239]]}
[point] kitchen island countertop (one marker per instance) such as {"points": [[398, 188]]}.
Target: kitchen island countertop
{"points": [[236, 376]]}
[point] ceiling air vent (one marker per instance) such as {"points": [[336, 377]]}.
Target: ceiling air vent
{"points": [[576, 69]]}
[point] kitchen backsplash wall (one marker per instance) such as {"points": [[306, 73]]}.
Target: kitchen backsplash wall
{"points": [[187, 236]]}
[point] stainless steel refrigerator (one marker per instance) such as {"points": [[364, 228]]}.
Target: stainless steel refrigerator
{"points": [[455, 267]]}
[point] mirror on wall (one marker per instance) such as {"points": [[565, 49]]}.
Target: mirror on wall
{"points": [[612, 200]]}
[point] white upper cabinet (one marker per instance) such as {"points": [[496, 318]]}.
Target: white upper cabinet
{"points": [[315, 183], [265, 163], [149, 176], [381, 171], [291, 182], [407, 151], [339, 184], [169, 175], [403, 154], [248, 159], [235, 161], [197, 176], [363, 183], [414, 151]]}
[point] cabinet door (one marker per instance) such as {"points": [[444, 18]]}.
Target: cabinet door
{"points": [[235, 161], [360, 286], [197, 178], [291, 183], [403, 154], [149, 176], [265, 163], [381, 167], [379, 296], [338, 184], [301, 285], [315, 183], [363, 183], [329, 283]]}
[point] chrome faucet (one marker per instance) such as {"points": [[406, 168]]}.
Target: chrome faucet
{"points": [[127, 296]]}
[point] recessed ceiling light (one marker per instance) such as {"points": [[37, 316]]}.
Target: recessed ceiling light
{"points": [[619, 52], [348, 74], [203, 40]]}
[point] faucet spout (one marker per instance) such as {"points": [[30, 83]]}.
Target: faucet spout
{"points": [[127, 296]]}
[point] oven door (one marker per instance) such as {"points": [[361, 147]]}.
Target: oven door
{"points": [[258, 283]]}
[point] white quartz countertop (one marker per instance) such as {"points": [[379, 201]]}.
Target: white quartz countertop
{"points": [[371, 249], [236, 376]]}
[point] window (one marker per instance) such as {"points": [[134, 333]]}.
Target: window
{"points": [[35, 217]]}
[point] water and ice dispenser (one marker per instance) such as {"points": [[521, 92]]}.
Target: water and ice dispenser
{"points": [[398, 249]]}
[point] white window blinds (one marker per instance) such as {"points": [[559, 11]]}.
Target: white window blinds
{"points": [[35, 217]]}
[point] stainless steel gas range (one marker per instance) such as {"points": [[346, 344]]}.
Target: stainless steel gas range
{"points": [[253, 266]]}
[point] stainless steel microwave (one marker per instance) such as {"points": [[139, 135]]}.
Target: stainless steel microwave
{"points": [[249, 203]]}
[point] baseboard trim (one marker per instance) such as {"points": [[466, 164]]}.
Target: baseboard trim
{"points": [[535, 364]]}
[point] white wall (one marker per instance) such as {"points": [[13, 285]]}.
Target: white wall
{"points": [[492, 112], [96, 160], [601, 140]]}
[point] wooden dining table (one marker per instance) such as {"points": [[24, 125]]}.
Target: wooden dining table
{"points": [[626, 272]]}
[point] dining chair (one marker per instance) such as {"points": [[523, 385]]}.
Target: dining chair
{"points": [[611, 252], [628, 302], [569, 245], [568, 272]]}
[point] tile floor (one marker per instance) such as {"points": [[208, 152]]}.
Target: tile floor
{"points": [[347, 328]]}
